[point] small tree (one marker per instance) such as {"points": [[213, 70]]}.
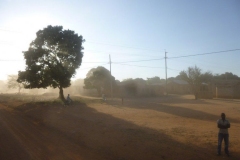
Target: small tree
{"points": [[99, 78], [52, 59], [193, 77], [12, 82]]}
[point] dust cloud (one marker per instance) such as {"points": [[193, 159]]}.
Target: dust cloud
{"points": [[76, 88]]}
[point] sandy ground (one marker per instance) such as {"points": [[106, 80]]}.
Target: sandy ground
{"points": [[171, 127]]}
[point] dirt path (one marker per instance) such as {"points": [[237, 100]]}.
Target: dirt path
{"points": [[10, 147], [23, 138]]}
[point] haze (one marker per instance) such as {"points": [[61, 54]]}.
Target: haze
{"points": [[135, 33]]}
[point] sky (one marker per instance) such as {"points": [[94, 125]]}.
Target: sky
{"points": [[135, 35]]}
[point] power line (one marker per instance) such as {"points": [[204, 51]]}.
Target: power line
{"points": [[173, 69], [121, 63], [94, 62], [6, 60], [7, 43], [171, 57], [128, 53], [166, 72], [181, 56], [139, 61], [7, 30], [122, 46], [191, 55], [94, 66], [14, 60], [158, 58], [206, 64], [138, 66]]}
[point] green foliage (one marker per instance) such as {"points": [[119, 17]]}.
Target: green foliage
{"points": [[52, 59], [99, 78]]}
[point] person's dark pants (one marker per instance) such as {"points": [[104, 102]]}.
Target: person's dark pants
{"points": [[222, 136]]}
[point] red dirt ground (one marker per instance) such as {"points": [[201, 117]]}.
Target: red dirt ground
{"points": [[171, 127]]}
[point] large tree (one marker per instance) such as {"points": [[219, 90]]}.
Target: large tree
{"points": [[99, 78], [52, 59], [12, 82]]}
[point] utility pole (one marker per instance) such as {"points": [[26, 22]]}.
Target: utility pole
{"points": [[166, 72], [110, 74]]}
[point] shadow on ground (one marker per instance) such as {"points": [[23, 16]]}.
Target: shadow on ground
{"points": [[117, 139], [161, 105]]}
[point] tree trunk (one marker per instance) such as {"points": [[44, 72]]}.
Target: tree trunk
{"points": [[61, 96], [195, 92]]}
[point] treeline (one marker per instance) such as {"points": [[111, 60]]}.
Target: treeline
{"points": [[100, 79]]}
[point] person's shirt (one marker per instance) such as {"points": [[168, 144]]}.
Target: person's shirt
{"points": [[221, 122], [68, 98]]}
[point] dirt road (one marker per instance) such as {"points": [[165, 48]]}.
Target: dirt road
{"points": [[140, 129]]}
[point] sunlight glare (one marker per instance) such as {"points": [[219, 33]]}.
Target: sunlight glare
{"points": [[15, 37]]}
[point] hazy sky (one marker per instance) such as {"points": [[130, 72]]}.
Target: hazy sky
{"points": [[136, 33]]}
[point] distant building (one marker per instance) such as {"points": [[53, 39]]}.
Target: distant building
{"points": [[226, 88], [156, 89], [178, 87]]}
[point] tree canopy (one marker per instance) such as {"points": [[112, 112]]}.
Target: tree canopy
{"points": [[206, 77], [193, 76], [99, 78], [153, 80], [226, 76], [52, 59]]}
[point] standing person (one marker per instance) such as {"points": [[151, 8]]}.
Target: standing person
{"points": [[223, 125], [69, 100]]}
